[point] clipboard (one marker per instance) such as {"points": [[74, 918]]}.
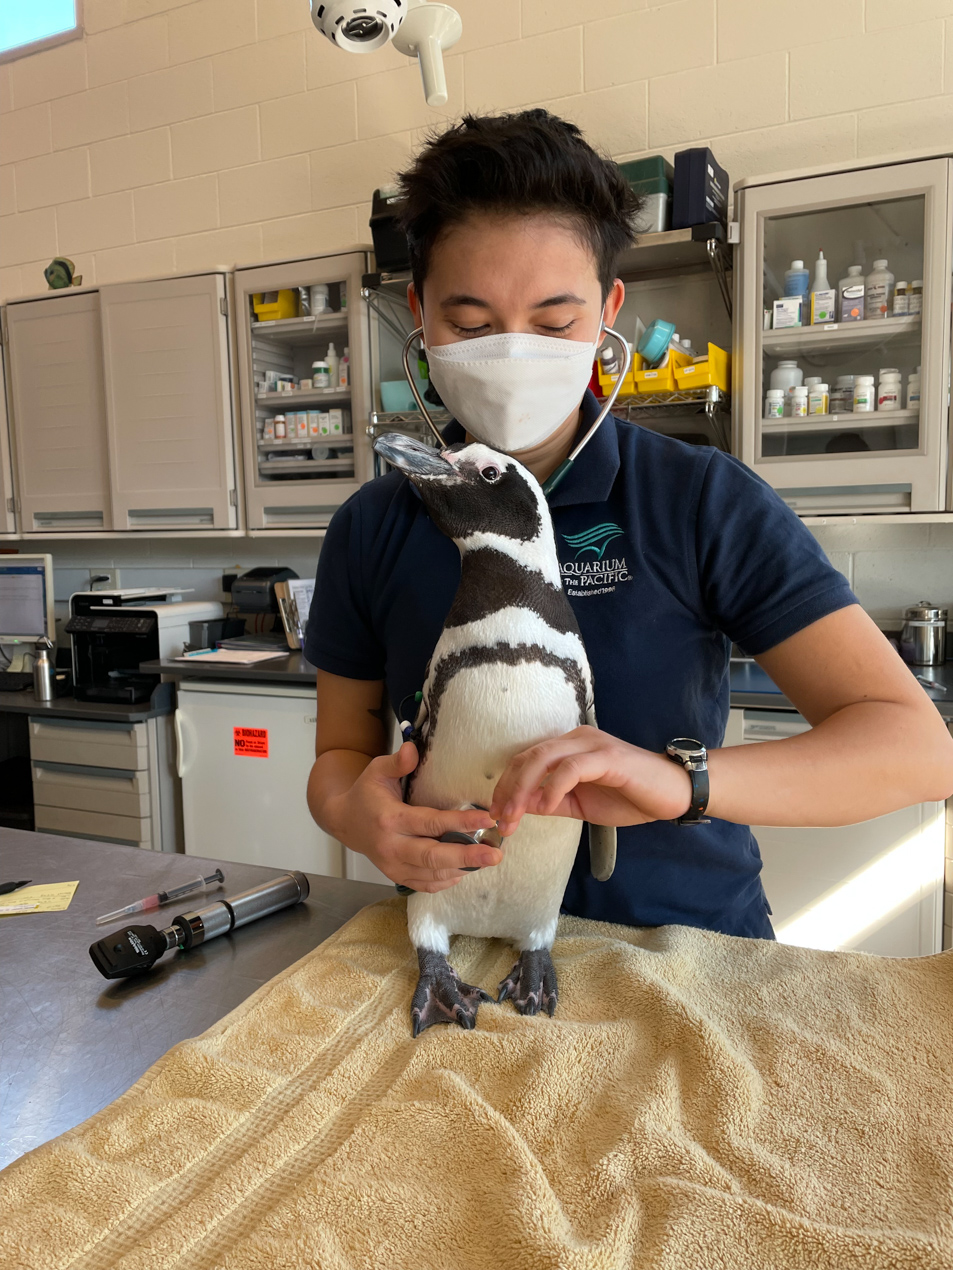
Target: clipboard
{"points": [[294, 605], [285, 602]]}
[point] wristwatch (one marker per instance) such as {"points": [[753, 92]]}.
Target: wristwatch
{"points": [[694, 758]]}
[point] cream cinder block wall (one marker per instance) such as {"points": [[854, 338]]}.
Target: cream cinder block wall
{"points": [[182, 134]]}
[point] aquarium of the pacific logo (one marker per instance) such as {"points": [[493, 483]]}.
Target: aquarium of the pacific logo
{"points": [[591, 571]]}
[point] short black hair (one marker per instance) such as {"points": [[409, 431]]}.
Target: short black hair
{"points": [[520, 164]]}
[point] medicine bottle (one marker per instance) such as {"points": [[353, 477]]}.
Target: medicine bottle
{"points": [[774, 403], [864, 396], [819, 401], [878, 294]]}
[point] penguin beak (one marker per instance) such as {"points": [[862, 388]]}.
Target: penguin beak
{"points": [[412, 457]]}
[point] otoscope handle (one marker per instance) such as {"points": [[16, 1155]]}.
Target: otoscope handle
{"points": [[201, 925]]}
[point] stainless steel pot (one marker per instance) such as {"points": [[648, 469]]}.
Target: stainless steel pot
{"points": [[923, 637]]}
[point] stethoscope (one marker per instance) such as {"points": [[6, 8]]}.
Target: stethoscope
{"points": [[556, 477]]}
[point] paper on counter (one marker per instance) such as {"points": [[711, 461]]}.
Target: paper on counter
{"points": [[236, 656], [49, 897]]}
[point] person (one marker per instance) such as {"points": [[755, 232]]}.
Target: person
{"points": [[669, 553]]}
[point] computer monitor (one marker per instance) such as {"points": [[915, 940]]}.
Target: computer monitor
{"points": [[26, 599]]}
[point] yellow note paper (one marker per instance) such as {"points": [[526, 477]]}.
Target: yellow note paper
{"points": [[49, 897]]}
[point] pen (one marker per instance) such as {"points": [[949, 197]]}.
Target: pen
{"points": [[7, 887]]}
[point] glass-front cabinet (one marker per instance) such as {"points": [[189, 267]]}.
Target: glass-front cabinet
{"points": [[842, 354], [303, 357]]}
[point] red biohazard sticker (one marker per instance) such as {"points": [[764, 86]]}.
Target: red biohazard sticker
{"points": [[251, 742]]}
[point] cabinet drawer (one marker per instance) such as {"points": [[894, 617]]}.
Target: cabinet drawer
{"points": [[99, 789], [90, 824], [82, 743]]}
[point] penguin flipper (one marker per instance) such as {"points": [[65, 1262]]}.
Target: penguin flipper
{"points": [[602, 851], [602, 838]]}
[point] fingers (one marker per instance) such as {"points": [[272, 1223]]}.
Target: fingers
{"points": [[527, 772], [401, 763], [434, 858], [429, 822]]}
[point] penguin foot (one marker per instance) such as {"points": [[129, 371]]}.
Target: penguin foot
{"points": [[442, 996], [532, 983]]}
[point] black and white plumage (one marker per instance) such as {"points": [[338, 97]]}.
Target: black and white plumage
{"points": [[509, 670]]}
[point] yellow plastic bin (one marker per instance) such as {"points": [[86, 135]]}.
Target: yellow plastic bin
{"points": [[274, 306], [662, 378], [628, 389], [715, 371]]}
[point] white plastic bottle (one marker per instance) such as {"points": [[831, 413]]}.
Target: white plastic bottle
{"points": [[344, 369], [818, 402], [334, 362], [850, 292], [774, 403], [915, 298], [889, 391], [799, 403], [878, 294], [913, 390], [823, 296], [901, 301], [864, 395], [787, 376]]}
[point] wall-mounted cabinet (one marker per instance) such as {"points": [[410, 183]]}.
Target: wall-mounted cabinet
{"points": [[845, 459], [121, 415], [168, 404], [8, 520], [57, 407], [306, 449]]}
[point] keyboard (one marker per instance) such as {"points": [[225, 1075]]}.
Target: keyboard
{"points": [[15, 680]]}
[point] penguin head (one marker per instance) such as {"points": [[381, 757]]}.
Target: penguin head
{"points": [[470, 489]]}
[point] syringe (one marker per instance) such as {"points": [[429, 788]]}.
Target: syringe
{"points": [[150, 902]]}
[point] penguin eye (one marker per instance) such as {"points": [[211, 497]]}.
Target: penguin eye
{"points": [[491, 474]]}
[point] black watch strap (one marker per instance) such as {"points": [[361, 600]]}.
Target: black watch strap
{"points": [[694, 758]]}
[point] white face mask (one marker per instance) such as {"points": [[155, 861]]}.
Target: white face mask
{"points": [[511, 391]]}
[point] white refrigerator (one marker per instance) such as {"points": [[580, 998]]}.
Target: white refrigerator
{"points": [[243, 754]]}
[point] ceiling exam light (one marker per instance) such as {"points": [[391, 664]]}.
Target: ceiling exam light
{"points": [[419, 28]]}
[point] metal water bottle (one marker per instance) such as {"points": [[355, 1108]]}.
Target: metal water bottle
{"points": [[43, 670]]}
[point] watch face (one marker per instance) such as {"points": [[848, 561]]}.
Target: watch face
{"points": [[686, 746]]}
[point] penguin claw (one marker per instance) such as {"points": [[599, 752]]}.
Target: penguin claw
{"points": [[531, 983], [442, 996]]}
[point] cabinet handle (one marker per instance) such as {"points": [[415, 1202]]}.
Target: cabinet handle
{"points": [[170, 516], [68, 520], [180, 767]]}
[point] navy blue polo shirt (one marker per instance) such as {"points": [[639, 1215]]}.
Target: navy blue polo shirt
{"points": [[669, 552]]}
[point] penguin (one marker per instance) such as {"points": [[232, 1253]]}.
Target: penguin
{"points": [[509, 670]]}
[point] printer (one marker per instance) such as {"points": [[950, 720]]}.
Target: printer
{"points": [[113, 632]]}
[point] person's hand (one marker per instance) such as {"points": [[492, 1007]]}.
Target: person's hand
{"points": [[590, 775], [402, 839]]}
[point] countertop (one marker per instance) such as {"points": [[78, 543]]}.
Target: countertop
{"points": [[290, 668], [72, 1041], [24, 702], [752, 689], [750, 686]]}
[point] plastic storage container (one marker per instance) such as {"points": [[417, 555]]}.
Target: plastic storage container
{"points": [[652, 179], [714, 370], [799, 402], [275, 306]]}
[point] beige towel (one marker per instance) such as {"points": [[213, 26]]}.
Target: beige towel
{"points": [[698, 1102]]}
